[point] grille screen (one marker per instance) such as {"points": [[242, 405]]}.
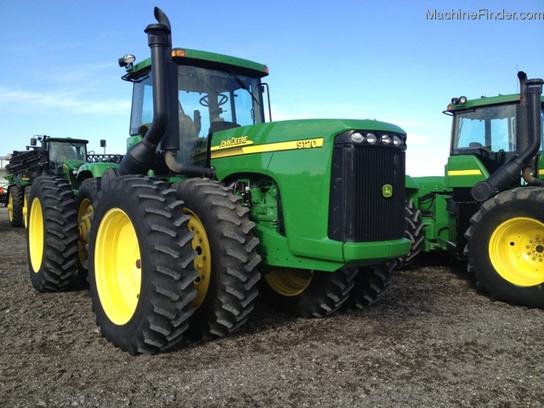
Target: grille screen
{"points": [[358, 209]]}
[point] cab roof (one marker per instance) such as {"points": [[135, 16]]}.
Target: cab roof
{"points": [[204, 59], [485, 101]]}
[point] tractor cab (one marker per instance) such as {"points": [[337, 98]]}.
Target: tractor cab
{"points": [[64, 152], [484, 136], [213, 92], [487, 131]]}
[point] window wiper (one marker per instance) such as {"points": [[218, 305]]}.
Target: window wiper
{"points": [[243, 85]]}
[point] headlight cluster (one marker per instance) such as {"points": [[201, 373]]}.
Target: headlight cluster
{"points": [[459, 101], [374, 138]]}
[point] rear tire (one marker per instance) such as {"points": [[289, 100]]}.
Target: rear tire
{"points": [[305, 293], [26, 204], [52, 235], [371, 283], [505, 247], [85, 200], [227, 259], [414, 232], [141, 265], [15, 206]]}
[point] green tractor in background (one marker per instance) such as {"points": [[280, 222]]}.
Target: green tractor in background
{"points": [[210, 197], [58, 157], [488, 207], [55, 156]]}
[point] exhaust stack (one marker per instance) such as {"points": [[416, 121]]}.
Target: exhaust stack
{"points": [[141, 157], [529, 137]]}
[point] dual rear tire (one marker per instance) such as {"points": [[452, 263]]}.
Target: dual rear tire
{"points": [[163, 261], [52, 235]]}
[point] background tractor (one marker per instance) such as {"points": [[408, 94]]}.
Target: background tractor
{"points": [[210, 197], [487, 208], [56, 157]]}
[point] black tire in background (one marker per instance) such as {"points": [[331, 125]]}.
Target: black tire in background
{"points": [[52, 234], [227, 259], [414, 232], [85, 201], [141, 265], [15, 206], [505, 247], [306, 293], [26, 204], [371, 282]]}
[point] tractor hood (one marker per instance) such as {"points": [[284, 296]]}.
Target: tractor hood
{"points": [[297, 135]]}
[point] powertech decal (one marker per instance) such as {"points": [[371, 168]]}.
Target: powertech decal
{"points": [[232, 147]]}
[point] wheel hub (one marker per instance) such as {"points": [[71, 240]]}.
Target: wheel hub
{"points": [[202, 262], [536, 249], [516, 250], [118, 266]]}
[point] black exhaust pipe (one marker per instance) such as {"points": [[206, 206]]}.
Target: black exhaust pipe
{"points": [[510, 172], [141, 157]]}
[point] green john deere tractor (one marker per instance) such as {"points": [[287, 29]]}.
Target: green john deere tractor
{"points": [[210, 197], [487, 208], [57, 157]]}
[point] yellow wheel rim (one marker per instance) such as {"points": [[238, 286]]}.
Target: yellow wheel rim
{"points": [[117, 266], [84, 216], [25, 208], [36, 235], [203, 260], [10, 207], [516, 250], [289, 282]]}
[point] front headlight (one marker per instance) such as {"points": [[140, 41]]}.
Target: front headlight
{"points": [[357, 137], [386, 139], [371, 138]]}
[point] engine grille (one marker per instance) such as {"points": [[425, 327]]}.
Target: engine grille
{"points": [[358, 209]]}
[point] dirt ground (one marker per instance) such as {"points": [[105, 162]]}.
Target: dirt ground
{"points": [[432, 341]]}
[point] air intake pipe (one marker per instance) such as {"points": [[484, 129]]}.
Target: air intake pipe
{"points": [[510, 172], [141, 157]]}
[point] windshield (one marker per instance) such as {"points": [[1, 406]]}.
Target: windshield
{"points": [[211, 97], [491, 128], [209, 100], [60, 152]]}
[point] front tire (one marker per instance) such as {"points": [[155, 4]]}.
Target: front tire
{"points": [[305, 293], [227, 259], [505, 247], [52, 235], [141, 265]]}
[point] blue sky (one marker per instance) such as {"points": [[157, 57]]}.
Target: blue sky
{"points": [[381, 60]]}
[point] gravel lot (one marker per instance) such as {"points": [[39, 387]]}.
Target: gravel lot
{"points": [[432, 341]]}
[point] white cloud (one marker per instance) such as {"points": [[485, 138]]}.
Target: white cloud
{"points": [[22, 101]]}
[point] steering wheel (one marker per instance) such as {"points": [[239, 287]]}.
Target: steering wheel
{"points": [[204, 101]]}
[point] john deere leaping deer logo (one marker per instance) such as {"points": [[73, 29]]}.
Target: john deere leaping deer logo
{"points": [[387, 190]]}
